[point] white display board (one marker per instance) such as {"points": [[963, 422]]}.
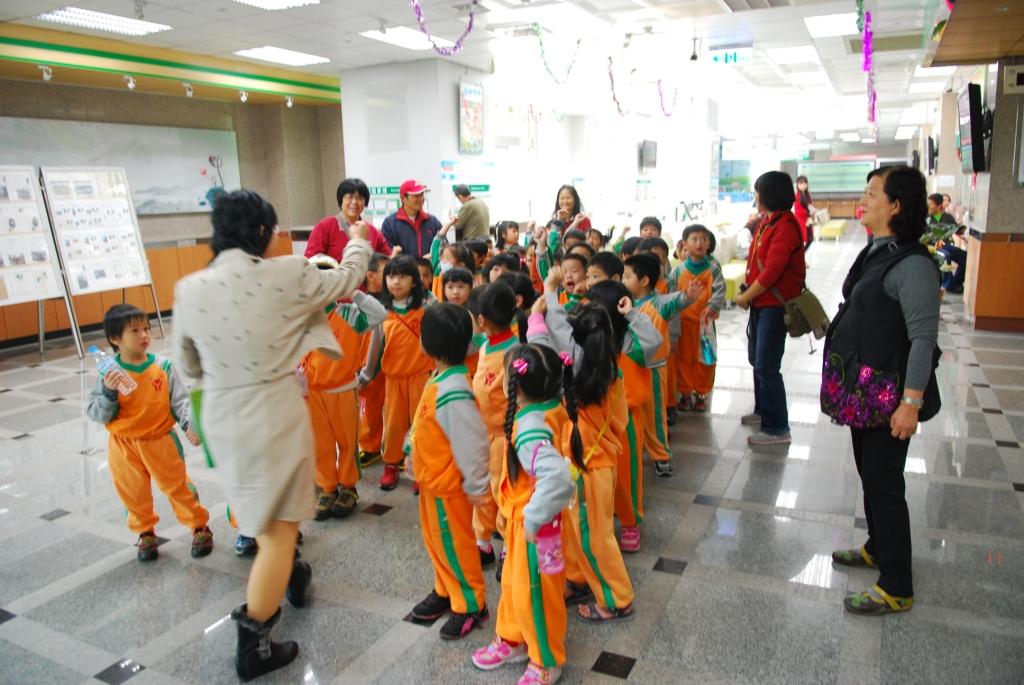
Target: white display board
{"points": [[96, 229], [171, 170], [28, 260]]}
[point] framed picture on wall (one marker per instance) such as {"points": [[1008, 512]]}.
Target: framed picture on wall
{"points": [[471, 118]]}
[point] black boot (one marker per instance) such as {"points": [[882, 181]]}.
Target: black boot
{"points": [[256, 654], [302, 573]]}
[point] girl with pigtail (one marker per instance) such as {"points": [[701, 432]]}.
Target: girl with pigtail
{"points": [[596, 575], [534, 490]]}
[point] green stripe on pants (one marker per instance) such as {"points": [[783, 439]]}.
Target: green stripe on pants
{"points": [[634, 467], [453, 559], [540, 623], [609, 600]]}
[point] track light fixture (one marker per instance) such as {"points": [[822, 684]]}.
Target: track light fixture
{"points": [[243, 96], [129, 81], [289, 102], [189, 90], [47, 72]]}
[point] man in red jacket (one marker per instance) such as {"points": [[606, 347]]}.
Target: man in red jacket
{"points": [[330, 235], [775, 274]]}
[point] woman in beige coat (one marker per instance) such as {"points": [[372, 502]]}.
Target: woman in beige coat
{"points": [[240, 326]]}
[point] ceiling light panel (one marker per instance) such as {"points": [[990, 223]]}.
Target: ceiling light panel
{"points": [[905, 132], [850, 137], [407, 38], [804, 54], [928, 72], [268, 53], [831, 25], [101, 21], [927, 87], [277, 4]]}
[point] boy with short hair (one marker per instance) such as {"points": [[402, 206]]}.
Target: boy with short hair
{"points": [[604, 266], [371, 392], [142, 443], [448, 443], [457, 284], [642, 272], [574, 281]]}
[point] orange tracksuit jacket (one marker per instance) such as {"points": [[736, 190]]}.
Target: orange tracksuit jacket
{"points": [[488, 387], [449, 448], [332, 392], [532, 607], [691, 373], [406, 368], [143, 445]]}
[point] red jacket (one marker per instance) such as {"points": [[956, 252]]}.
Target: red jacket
{"points": [[328, 238], [778, 243], [802, 215]]}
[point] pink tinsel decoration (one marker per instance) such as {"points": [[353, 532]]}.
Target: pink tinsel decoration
{"points": [[868, 43], [661, 100], [869, 67], [422, 21]]}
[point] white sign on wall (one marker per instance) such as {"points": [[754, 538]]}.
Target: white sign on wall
{"points": [[28, 260]]}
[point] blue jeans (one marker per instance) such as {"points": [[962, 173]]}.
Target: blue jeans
{"points": [[955, 279], [766, 341]]}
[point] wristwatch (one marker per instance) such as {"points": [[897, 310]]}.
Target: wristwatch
{"points": [[915, 403]]}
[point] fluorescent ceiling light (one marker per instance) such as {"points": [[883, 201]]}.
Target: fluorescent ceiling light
{"points": [[905, 132], [829, 25], [100, 21], [926, 72], [927, 87], [278, 4], [804, 54], [268, 53], [867, 140], [405, 37], [850, 137]]}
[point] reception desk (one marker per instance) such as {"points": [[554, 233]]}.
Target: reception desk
{"points": [[994, 281]]}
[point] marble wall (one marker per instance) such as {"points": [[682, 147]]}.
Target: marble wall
{"points": [[1006, 196], [294, 157]]}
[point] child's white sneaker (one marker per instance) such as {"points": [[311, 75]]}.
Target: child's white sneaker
{"points": [[499, 653], [538, 675]]}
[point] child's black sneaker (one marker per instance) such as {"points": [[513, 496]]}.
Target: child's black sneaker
{"points": [[501, 564], [459, 626], [345, 502], [324, 502], [368, 458], [147, 545], [433, 607], [245, 546], [202, 542], [663, 469], [487, 557], [670, 416]]}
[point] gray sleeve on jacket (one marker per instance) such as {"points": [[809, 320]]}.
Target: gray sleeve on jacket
{"points": [[371, 307], [181, 405], [322, 287], [373, 354], [645, 335], [184, 348], [459, 418], [553, 488], [717, 300], [559, 336], [102, 403], [914, 283]]}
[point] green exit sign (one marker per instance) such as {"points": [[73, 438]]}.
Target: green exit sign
{"points": [[384, 190], [482, 188]]}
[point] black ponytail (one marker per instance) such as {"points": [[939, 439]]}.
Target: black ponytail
{"points": [[592, 331], [511, 459], [540, 381], [572, 408]]}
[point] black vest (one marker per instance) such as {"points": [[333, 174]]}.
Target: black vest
{"points": [[870, 329]]}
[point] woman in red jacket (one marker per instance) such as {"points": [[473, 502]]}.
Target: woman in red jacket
{"points": [[330, 235], [775, 274], [803, 210]]}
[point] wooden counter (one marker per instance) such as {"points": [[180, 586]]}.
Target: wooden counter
{"points": [[994, 281]]}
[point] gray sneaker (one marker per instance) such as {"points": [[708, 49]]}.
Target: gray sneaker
{"points": [[751, 419], [761, 439]]}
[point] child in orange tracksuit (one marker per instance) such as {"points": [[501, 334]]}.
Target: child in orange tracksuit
{"points": [[494, 309], [142, 443], [448, 443], [403, 363], [696, 378], [457, 284], [535, 489], [371, 383], [334, 406], [642, 272]]}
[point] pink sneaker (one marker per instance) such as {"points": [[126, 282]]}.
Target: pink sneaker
{"points": [[498, 653], [538, 675], [629, 540]]}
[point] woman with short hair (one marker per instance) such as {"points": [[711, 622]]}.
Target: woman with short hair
{"points": [[878, 376], [330, 235], [241, 325]]}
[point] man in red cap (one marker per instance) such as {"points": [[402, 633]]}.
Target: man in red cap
{"points": [[410, 227]]}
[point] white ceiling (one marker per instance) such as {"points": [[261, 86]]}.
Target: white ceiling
{"points": [[827, 93]]}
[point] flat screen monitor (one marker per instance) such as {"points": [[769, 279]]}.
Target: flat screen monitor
{"points": [[972, 147], [648, 154]]}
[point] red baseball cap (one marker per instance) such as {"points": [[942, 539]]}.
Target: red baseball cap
{"points": [[412, 187]]}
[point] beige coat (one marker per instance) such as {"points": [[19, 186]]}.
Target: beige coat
{"points": [[241, 326]]}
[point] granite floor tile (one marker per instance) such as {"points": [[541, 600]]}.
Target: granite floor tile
{"points": [[796, 485], [926, 651], [20, 666], [988, 357], [1010, 400], [965, 508], [943, 568], [956, 459], [42, 416]]}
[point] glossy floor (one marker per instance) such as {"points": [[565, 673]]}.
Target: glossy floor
{"points": [[734, 582]]}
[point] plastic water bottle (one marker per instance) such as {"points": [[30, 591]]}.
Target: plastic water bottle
{"points": [[124, 383], [549, 547]]}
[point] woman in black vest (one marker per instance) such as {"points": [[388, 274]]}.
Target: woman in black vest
{"points": [[878, 376]]}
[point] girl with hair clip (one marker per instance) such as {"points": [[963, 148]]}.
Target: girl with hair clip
{"points": [[445, 256], [535, 488], [404, 365], [506, 235]]}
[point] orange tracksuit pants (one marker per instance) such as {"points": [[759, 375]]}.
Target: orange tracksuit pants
{"points": [[670, 368], [532, 606], [134, 461], [655, 425], [401, 396], [371, 415], [692, 375], [629, 472], [595, 558], [334, 416], [487, 518], [447, 528]]}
